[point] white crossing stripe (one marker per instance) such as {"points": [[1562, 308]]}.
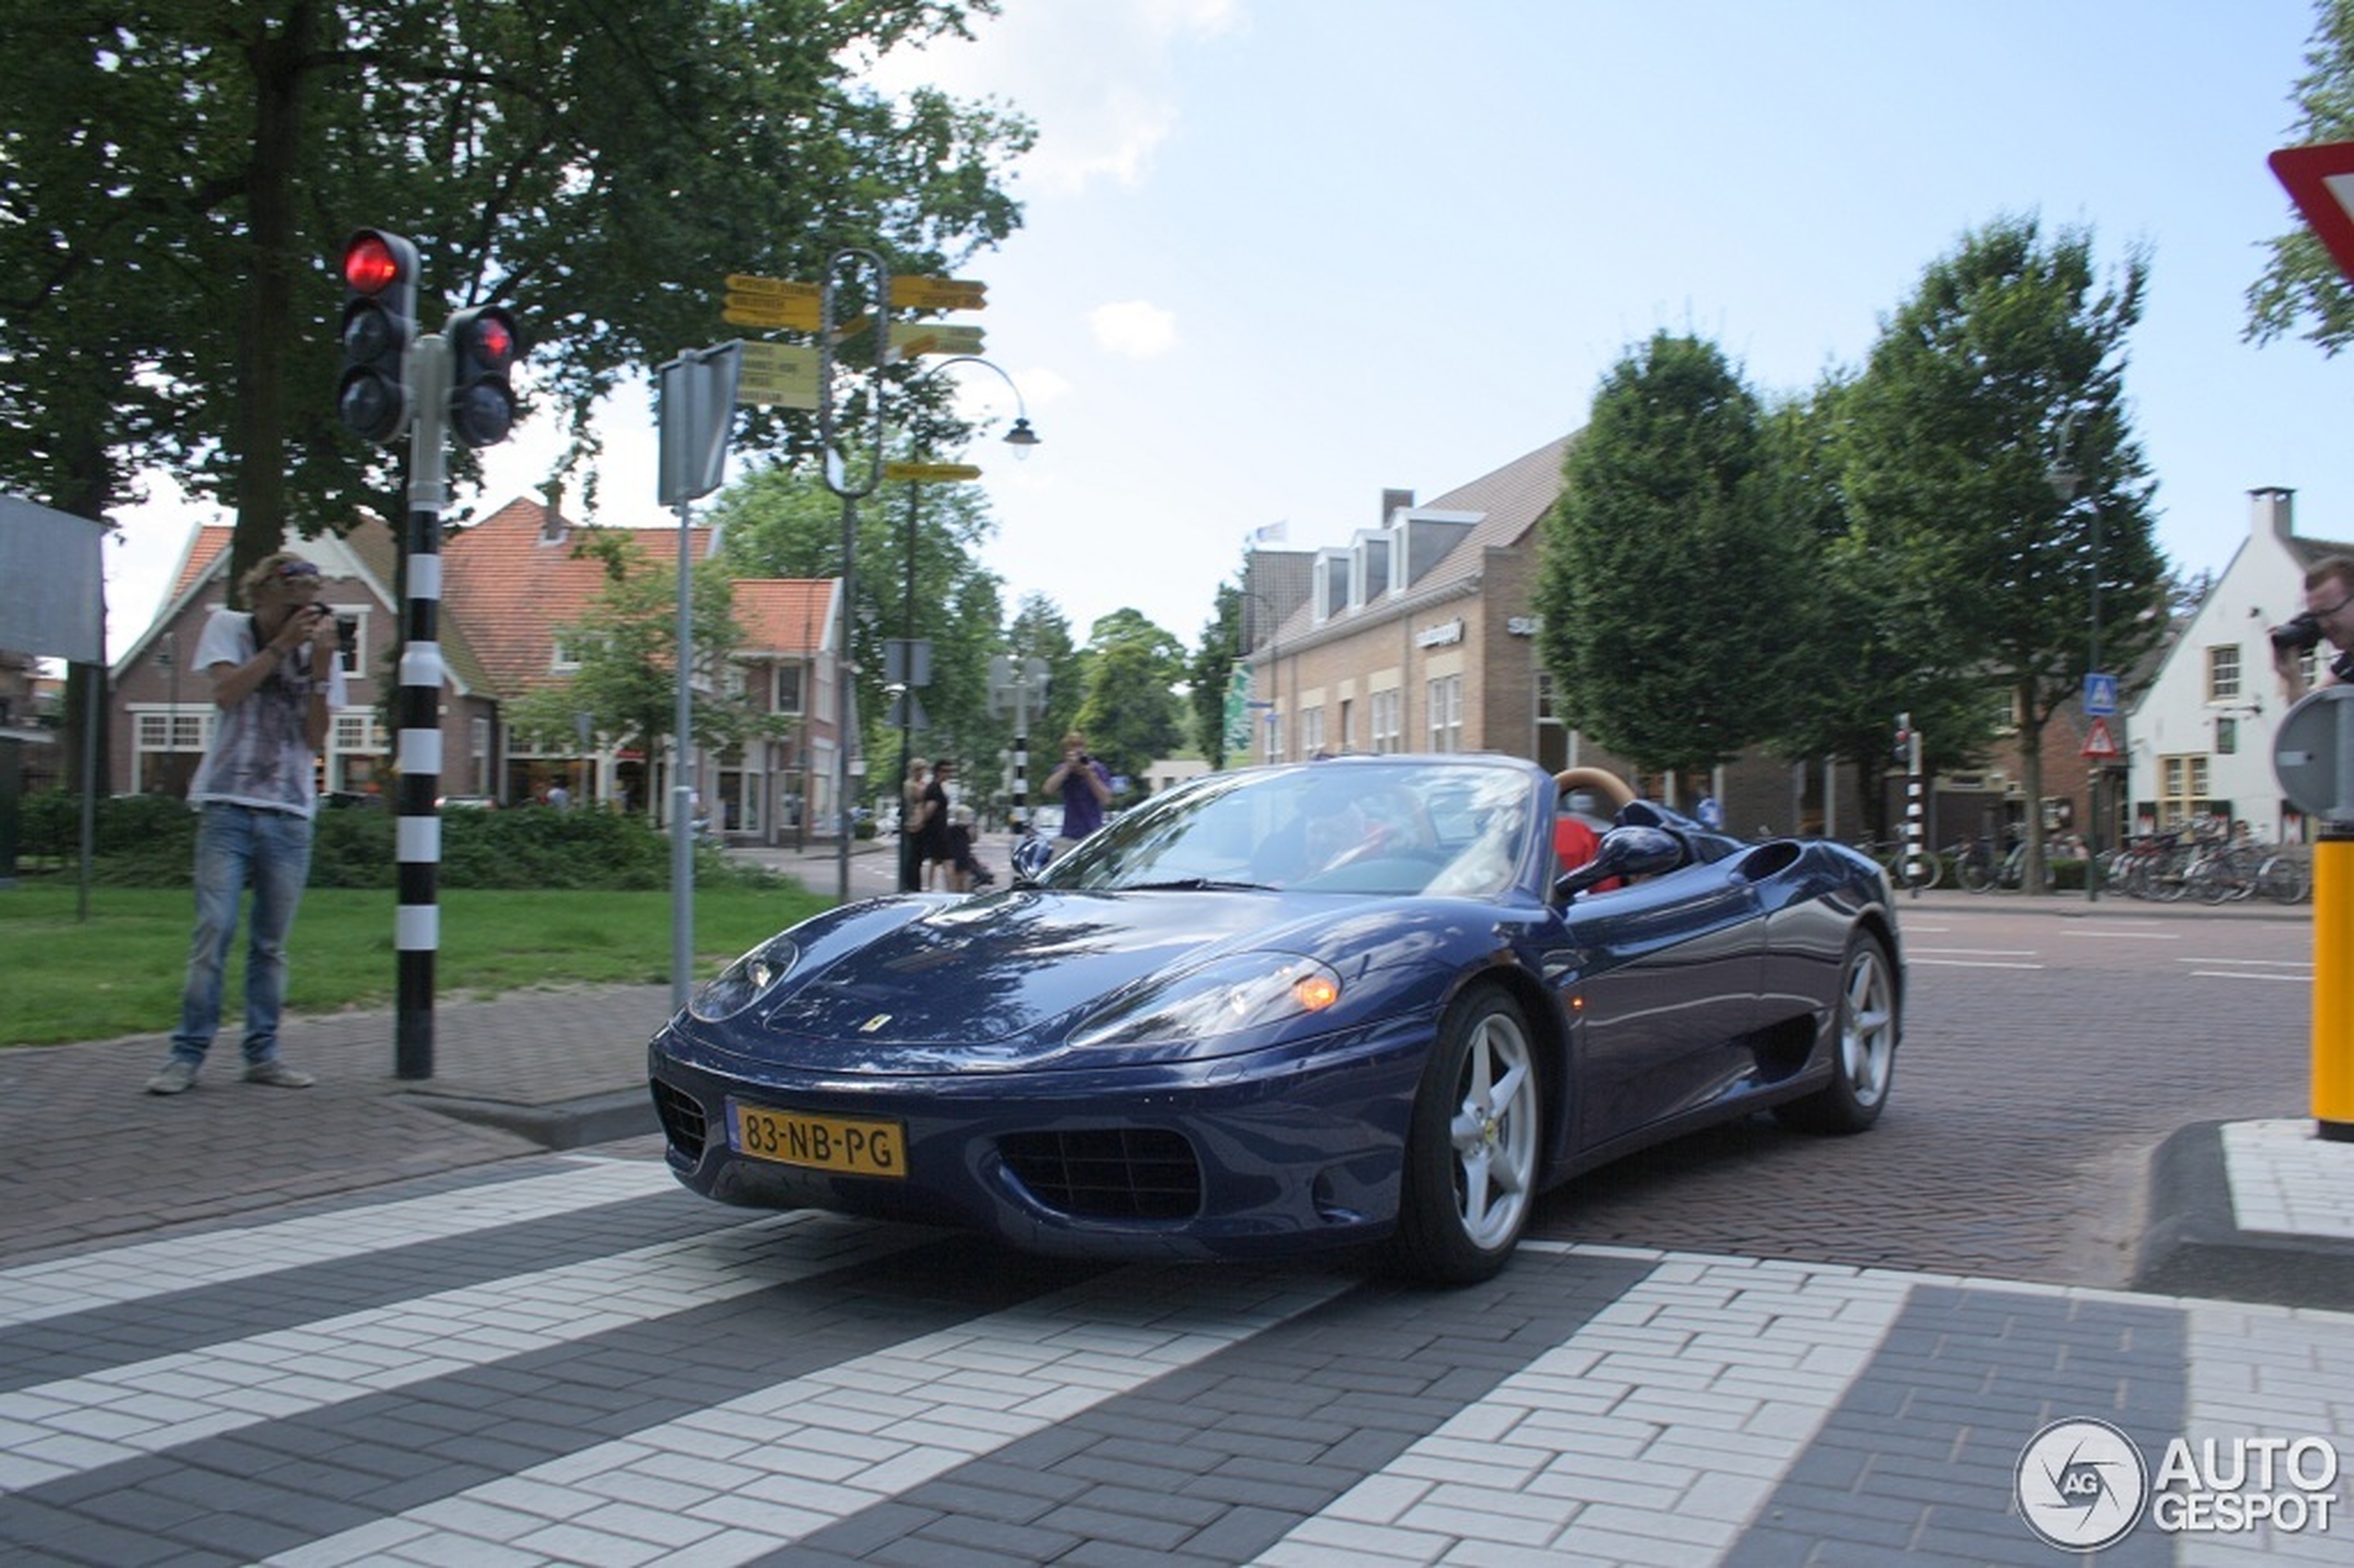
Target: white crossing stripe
{"points": [[33, 1291], [1653, 1434], [742, 1479], [55, 1429]]}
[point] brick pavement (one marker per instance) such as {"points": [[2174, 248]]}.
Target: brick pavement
{"points": [[343, 1325]]}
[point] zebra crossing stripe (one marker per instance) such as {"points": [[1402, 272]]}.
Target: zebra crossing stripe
{"points": [[32, 1291], [733, 1481], [1650, 1435], [52, 1430]]}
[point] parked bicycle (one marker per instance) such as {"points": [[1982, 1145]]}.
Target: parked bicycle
{"points": [[1902, 869], [1977, 869], [2286, 877]]}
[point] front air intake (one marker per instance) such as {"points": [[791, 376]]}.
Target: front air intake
{"points": [[1112, 1173]]}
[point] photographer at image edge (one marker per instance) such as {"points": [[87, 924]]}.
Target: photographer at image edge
{"points": [[2329, 612], [1084, 787], [277, 681]]}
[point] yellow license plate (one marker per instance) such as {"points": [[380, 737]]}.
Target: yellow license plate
{"points": [[822, 1143]]}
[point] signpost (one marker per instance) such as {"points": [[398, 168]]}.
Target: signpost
{"points": [[911, 338], [780, 374], [936, 294], [2099, 744], [2313, 752], [2321, 181], [931, 471]]}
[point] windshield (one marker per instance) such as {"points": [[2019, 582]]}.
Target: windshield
{"points": [[1428, 827]]}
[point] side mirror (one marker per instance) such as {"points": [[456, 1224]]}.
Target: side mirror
{"points": [[1624, 852], [1032, 856]]}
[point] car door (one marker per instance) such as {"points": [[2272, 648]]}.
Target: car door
{"points": [[1661, 978]]}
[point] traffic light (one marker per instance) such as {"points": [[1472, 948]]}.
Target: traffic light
{"points": [[482, 351], [379, 322]]}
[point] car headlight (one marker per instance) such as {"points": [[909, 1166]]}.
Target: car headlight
{"points": [[739, 985], [1248, 991]]}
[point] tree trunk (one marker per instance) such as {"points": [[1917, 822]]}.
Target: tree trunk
{"points": [[258, 424]]}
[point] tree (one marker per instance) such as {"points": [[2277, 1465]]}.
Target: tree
{"points": [[782, 522], [2008, 360], [1856, 659], [177, 173], [1130, 715], [628, 638], [1665, 576], [2302, 283], [1212, 670]]}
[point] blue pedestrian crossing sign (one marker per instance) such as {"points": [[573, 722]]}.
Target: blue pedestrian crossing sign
{"points": [[2100, 696]]}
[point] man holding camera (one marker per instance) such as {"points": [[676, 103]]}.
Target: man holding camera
{"points": [[277, 682], [2329, 612], [1085, 788]]}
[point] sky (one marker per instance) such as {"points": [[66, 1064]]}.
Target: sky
{"points": [[1279, 255]]}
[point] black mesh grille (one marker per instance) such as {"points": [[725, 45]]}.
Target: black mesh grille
{"points": [[682, 1121], [1119, 1173]]}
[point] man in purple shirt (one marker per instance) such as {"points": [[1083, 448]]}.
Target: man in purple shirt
{"points": [[1085, 788]]}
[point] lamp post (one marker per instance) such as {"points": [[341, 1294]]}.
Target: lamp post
{"points": [[2064, 478], [1023, 440]]}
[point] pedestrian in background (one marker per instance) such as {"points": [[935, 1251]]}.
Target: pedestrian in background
{"points": [[1084, 786], [277, 680], [911, 821], [939, 855]]}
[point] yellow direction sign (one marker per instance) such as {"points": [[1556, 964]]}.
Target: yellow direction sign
{"points": [[781, 374], [911, 338], [745, 283], [757, 301], [935, 294], [771, 311], [930, 471]]}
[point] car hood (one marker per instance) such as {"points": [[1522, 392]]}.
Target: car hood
{"points": [[1006, 966]]}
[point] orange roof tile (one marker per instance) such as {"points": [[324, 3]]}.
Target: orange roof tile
{"points": [[783, 616], [513, 577]]}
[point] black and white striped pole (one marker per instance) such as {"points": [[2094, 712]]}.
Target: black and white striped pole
{"points": [[417, 719], [1908, 743]]}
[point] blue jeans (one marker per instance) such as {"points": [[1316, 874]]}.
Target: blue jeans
{"points": [[236, 845]]}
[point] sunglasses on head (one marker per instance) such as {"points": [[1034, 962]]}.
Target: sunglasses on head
{"points": [[291, 569]]}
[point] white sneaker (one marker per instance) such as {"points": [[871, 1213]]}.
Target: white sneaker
{"points": [[173, 1076], [278, 1075]]}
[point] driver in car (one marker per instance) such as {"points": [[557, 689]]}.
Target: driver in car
{"points": [[1328, 829]]}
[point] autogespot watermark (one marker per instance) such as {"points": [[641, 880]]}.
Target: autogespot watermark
{"points": [[2083, 1486]]}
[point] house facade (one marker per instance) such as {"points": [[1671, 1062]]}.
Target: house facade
{"points": [[509, 584], [2199, 741], [1420, 634]]}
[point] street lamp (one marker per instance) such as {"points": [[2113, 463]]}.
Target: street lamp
{"points": [[2064, 478], [1023, 439]]}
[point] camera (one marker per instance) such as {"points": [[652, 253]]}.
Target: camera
{"points": [[347, 633], [2297, 634]]}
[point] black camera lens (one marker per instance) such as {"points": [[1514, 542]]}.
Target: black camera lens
{"points": [[2297, 634]]}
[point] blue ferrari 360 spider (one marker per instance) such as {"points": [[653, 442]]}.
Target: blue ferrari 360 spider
{"points": [[1340, 1001]]}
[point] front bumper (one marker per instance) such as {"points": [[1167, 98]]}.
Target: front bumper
{"points": [[1247, 1155]]}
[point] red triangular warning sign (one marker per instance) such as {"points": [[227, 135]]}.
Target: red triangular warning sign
{"points": [[2321, 181], [2098, 741]]}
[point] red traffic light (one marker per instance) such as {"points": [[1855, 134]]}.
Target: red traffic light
{"points": [[369, 264], [490, 341]]}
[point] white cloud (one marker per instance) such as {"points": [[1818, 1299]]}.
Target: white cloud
{"points": [[1095, 76], [1133, 329]]}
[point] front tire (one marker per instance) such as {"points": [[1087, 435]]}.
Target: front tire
{"points": [[1471, 1152], [1865, 1063]]}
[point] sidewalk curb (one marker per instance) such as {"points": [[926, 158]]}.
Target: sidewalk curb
{"points": [[2194, 1245], [567, 1124]]}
